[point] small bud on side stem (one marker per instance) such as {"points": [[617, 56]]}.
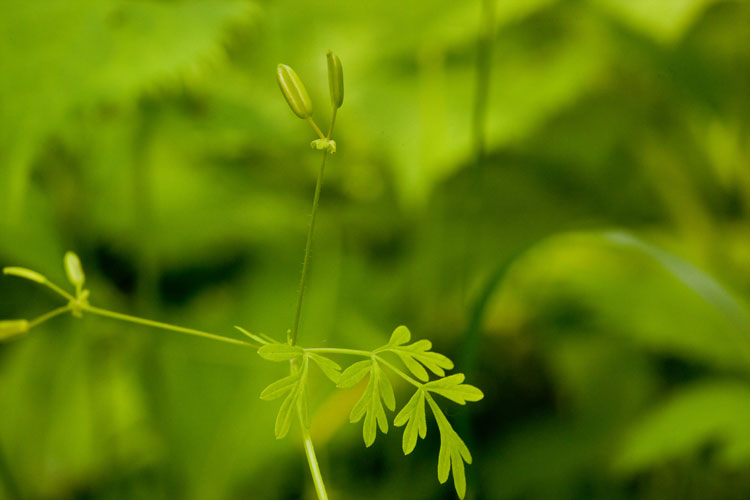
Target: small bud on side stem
{"points": [[335, 79], [22, 272], [294, 91], [74, 270], [12, 327]]}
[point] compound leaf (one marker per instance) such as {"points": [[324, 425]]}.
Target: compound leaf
{"points": [[401, 335], [354, 374], [453, 388], [413, 415], [415, 355], [284, 417], [453, 451], [280, 387], [370, 404], [294, 386], [330, 368]]}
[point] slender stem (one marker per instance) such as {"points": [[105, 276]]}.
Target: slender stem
{"points": [[315, 126], [308, 248], [333, 122], [58, 290], [49, 315], [308, 245], [164, 326], [400, 373], [336, 350], [312, 460]]}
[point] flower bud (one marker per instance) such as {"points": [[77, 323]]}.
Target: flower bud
{"points": [[294, 91], [73, 270], [335, 79], [22, 272], [12, 327]]}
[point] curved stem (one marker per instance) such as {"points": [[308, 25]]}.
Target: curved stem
{"points": [[164, 326], [308, 248], [312, 460], [49, 315]]}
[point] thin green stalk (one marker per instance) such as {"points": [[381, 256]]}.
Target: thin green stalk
{"points": [[312, 460], [49, 315], [317, 129], [400, 373], [333, 122], [58, 290], [308, 245], [336, 350], [164, 326], [308, 248]]}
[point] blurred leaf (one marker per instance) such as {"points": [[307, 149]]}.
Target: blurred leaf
{"points": [[709, 412], [665, 20], [635, 289], [62, 54]]}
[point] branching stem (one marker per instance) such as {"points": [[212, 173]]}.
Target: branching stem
{"points": [[164, 326], [49, 315]]}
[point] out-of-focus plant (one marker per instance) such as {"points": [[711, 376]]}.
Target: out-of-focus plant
{"points": [[417, 357]]}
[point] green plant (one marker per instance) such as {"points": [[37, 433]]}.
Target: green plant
{"points": [[417, 357]]}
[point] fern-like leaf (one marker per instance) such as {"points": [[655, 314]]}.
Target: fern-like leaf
{"points": [[330, 368], [370, 405], [453, 388], [413, 415], [294, 387], [453, 451], [418, 355]]}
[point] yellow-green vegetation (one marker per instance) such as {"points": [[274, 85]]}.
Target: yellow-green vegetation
{"points": [[554, 193]]}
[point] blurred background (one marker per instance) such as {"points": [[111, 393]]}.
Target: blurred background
{"points": [[556, 193]]}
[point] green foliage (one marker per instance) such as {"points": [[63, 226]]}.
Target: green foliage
{"points": [[150, 136], [378, 394], [294, 386], [709, 412]]}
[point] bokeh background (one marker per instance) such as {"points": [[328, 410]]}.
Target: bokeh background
{"points": [[556, 193]]}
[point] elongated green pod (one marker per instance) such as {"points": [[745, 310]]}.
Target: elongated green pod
{"points": [[12, 327], [294, 91], [335, 79], [74, 270], [22, 272]]}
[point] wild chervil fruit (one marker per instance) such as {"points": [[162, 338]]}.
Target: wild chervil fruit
{"points": [[294, 91]]}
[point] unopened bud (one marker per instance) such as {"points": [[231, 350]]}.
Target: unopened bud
{"points": [[74, 270], [335, 79], [12, 327], [294, 91], [22, 272]]}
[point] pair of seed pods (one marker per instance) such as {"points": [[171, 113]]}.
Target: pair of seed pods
{"points": [[295, 93]]}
